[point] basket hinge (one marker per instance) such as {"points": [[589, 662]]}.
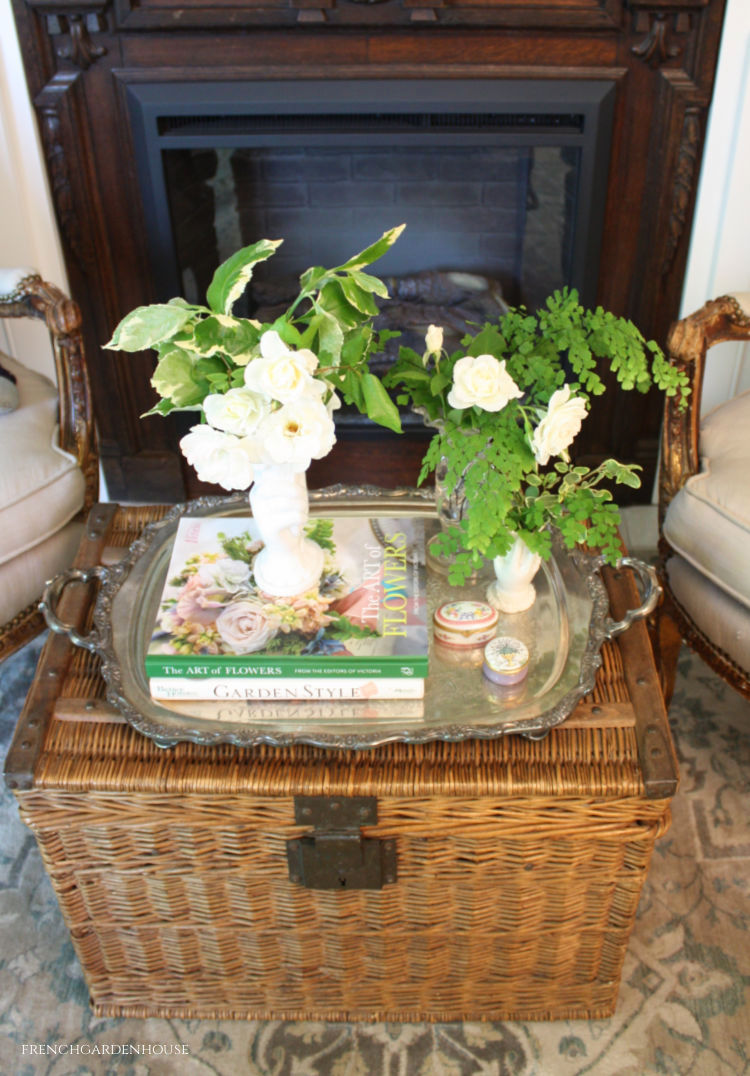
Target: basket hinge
{"points": [[335, 855]]}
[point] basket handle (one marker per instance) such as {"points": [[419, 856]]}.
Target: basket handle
{"points": [[51, 598], [651, 594]]}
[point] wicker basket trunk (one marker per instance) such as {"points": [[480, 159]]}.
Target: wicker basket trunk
{"points": [[518, 864]]}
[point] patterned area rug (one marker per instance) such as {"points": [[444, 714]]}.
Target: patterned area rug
{"points": [[684, 1004]]}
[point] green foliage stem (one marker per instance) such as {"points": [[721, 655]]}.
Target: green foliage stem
{"points": [[204, 349], [489, 454]]}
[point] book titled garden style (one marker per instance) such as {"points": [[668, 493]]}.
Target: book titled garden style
{"points": [[365, 618], [286, 688]]}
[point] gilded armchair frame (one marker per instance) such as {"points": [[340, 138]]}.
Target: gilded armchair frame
{"points": [[687, 346], [32, 297]]}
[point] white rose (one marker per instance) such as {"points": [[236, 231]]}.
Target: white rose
{"points": [[559, 427], [297, 433], [220, 458], [244, 626], [433, 340], [237, 411], [226, 575], [482, 381], [282, 374]]}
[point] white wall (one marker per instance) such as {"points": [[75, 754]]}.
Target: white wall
{"points": [[29, 234], [719, 260]]}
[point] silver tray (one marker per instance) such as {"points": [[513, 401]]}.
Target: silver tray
{"points": [[564, 631]]}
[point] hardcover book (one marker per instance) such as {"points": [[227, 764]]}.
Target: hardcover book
{"points": [[285, 688], [365, 619], [293, 715]]}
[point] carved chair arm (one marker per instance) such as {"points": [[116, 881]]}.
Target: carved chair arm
{"points": [[23, 293], [720, 320]]}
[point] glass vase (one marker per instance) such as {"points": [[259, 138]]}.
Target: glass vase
{"points": [[450, 508]]}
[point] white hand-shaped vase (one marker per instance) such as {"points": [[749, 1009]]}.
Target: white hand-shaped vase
{"points": [[289, 563], [512, 591]]}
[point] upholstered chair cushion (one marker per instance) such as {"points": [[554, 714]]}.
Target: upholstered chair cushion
{"points": [[708, 521], [722, 619], [19, 577], [8, 391], [41, 487]]}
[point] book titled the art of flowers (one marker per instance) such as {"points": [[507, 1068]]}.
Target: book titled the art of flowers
{"points": [[362, 625]]}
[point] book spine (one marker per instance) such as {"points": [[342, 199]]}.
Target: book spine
{"points": [[287, 668], [278, 690]]}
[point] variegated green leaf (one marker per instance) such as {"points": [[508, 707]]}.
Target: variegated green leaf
{"points": [[334, 301], [148, 325], [220, 332], [232, 277], [330, 339], [370, 283], [376, 250], [174, 379], [359, 298]]}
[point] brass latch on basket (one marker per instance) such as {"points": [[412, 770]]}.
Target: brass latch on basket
{"points": [[335, 855]]}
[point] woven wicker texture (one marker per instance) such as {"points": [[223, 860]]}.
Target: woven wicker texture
{"points": [[520, 865], [183, 904]]}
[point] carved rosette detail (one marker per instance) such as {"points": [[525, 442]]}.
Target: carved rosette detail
{"points": [[684, 180]]}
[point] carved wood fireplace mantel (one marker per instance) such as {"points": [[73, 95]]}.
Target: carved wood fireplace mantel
{"points": [[85, 59]]}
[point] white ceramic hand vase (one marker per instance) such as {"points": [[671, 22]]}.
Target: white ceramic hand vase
{"points": [[289, 562], [512, 591]]}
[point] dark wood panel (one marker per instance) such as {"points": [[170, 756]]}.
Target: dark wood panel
{"points": [[520, 53], [381, 459], [134, 15]]}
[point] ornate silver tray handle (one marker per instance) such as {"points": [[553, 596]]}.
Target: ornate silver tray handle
{"points": [[564, 632]]}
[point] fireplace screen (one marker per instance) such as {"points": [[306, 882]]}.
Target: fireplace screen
{"points": [[500, 185], [507, 213]]}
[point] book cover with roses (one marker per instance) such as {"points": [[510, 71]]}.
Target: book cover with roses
{"points": [[365, 618]]}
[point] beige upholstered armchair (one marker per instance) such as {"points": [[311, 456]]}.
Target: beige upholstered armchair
{"points": [[704, 507], [49, 476]]}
